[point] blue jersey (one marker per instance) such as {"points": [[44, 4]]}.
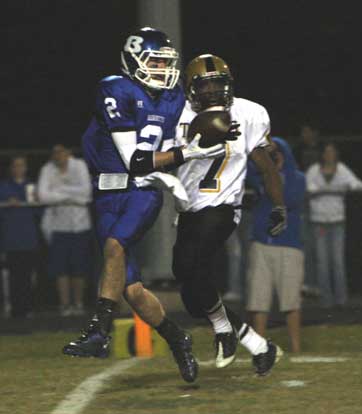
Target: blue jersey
{"points": [[123, 105], [293, 190]]}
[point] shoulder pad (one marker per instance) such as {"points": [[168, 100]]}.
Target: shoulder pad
{"points": [[174, 94], [111, 80], [187, 114], [116, 84]]}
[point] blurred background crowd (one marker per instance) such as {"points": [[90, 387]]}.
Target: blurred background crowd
{"points": [[50, 259]]}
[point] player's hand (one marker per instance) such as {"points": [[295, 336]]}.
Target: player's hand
{"points": [[193, 151], [233, 132], [277, 220]]}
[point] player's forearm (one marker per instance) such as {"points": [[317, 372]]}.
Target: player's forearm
{"points": [[82, 190], [270, 175], [274, 187], [171, 159], [52, 196], [162, 159], [140, 161]]}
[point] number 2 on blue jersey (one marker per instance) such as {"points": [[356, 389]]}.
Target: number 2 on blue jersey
{"points": [[152, 131]]}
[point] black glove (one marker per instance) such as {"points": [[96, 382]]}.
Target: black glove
{"points": [[233, 132], [277, 220]]}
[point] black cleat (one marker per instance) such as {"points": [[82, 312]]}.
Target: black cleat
{"points": [[91, 343], [264, 362], [225, 346], [182, 352]]}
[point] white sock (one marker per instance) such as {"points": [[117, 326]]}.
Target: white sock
{"points": [[217, 316], [252, 341]]}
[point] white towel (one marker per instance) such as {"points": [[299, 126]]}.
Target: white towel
{"points": [[166, 182]]}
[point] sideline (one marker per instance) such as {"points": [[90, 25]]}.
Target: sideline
{"points": [[84, 393]]}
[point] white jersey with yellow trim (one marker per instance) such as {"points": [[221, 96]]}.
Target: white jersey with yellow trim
{"points": [[212, 182]]}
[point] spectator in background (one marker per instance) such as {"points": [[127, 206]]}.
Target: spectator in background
{"points": [[18, 235], [308, 149], [307, 152], [65, 184], [327, 183], [277, 262], [234, 267]]}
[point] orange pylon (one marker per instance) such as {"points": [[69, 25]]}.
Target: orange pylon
{"points": [[143, 337]]}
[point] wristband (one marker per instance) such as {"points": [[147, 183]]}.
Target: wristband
{"points": [[178, 156]]}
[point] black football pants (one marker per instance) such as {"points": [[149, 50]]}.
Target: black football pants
{"points": [[200, 235]]}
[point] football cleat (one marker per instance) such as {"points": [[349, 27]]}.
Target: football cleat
{"points": [[182, 352], [225, 346], [91, 343], [264, 362]]}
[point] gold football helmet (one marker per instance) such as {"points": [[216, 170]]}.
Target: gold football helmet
{"points": [[208, 83]]}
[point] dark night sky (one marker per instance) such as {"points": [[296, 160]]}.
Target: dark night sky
{"points": [[299, 62]]}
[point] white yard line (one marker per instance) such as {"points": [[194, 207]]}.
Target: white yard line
{"points": [[296, 360], [293, 383], [83, 394], [317, 359]]}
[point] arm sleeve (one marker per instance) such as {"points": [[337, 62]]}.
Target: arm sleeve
{"points": [[353, 182], [126, 144], [114, 104], [46, 192], [311, 179], [168, 144], [258, 130]]}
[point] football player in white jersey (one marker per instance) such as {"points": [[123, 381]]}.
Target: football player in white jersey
{"points": [[215, 189]]}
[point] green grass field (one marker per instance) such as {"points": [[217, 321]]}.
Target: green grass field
{"points": [[35, 377]]}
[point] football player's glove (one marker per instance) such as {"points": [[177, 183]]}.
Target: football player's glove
{"points": [[277, 220], [193, 151], [233, 133]]}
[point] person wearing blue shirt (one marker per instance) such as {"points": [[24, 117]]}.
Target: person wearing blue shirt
{"points": [[128, 146], [277, 262], [19, 236]]}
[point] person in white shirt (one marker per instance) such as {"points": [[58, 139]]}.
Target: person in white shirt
{"points": [[327, 184], [64, 184], [215, 190]]}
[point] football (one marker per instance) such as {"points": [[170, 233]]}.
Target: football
{"points": [[212, 125]]}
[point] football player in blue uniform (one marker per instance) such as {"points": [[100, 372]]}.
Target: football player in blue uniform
{"points": [[127, 140]]}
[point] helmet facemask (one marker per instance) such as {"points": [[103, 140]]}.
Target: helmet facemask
{"points": [[209, 91], [155, 77]]}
